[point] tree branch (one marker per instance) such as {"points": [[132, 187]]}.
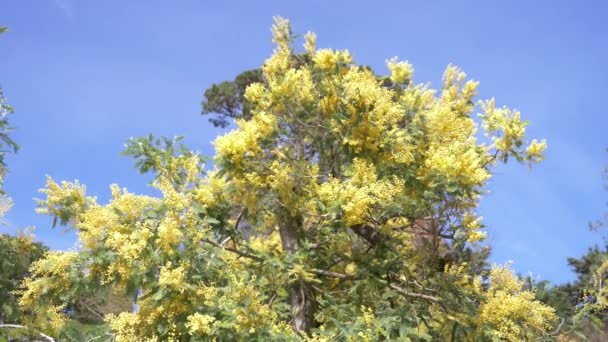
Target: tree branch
{"points": [[17, 326], [243, 254], [415, 295], [369, 234], [334, 274]]}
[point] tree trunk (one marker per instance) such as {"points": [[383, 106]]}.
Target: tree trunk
{"points": [[301, 294]]}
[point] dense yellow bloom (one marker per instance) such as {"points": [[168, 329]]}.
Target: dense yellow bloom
{"points": [[57, 266], [295, 85], [172, 197], [236, 145], [63, 201], [359, 193], [199, 324], [269, 244], [255, 92], [457, 162], [129, 245], [169, 234], [212, 191], [125, 326], [172, 277], [512, 313], [328, 59], [401, 72], [207, 294]]}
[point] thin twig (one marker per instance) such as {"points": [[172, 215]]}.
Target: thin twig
{"points": [[243, 254]]}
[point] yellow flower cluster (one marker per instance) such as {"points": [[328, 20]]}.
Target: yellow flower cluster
{"points": [[169, 234], [171, 196], [473, 224], [505, 125], [310, 43], [255, 92], [458, 162], [295, 86], [360, 193], [456, 93], [401, 72], [372, 116], [236, 145], [329, 59], [55, 265], [64, 201], [279, 62], [268, 244], [212, 190], [172, 278], [193, 168], [129, 244], [250, 312], [206, 294], [510, 312], [535, 150], [453, 152], [199, 324], [125, 327]]}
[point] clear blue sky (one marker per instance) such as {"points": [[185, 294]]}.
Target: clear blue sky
{"points": [[84, 76]]}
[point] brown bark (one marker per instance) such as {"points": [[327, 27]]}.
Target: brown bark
{"points": [[301, 294]]}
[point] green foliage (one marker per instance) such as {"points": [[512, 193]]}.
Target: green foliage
{"points": [[75, 331], [227, 99], [93, 309], [576, 301], [16, 255], [582, 304], [6, 143], [155, 155]]}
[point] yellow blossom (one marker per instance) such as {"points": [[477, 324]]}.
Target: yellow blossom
{"points": [[310, 43], [199, 324], [535, 150], [172, 277], [401, 72]]}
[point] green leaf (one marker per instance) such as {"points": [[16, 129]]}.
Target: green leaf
{"points": [[212, 221]]}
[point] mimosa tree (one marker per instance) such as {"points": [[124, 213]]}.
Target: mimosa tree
{"points": [[343, 206]]}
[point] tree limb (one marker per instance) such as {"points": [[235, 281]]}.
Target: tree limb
{"points": [[334, 274], [369, 234], [243, 254], [17, 326], [415, 295]]}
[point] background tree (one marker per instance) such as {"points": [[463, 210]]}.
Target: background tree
{"points": [[577, 302], [16, 255], [227, 99], [18, 252], [360, 192], [6, 142]]}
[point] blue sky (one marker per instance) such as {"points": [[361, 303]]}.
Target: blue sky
{"points": [[84, 76]]}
